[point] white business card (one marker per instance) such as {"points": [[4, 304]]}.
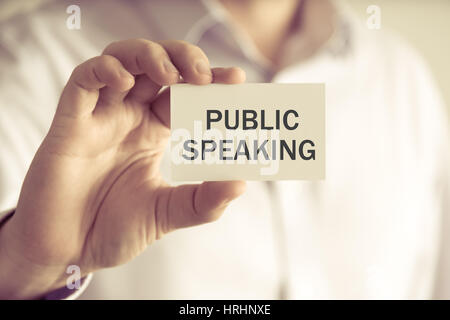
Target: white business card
{"points": [[253, 131]]}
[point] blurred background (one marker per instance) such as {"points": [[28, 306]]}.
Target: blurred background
{"points": [[425, 24]]}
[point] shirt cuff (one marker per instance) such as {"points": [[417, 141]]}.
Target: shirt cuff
{"points": [[4, 215], [69, 294]]}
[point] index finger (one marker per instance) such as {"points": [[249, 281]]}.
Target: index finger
{"points": [[141, 56]]}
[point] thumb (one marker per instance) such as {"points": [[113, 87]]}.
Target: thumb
{"points": [[190, 205]]}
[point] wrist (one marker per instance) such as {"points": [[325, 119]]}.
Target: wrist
{"points": [[20, 279]]}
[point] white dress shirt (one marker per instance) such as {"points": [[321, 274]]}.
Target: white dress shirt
{"points": [[372, 229]]}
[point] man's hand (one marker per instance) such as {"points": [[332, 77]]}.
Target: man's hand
{"points": [[93, 195]]}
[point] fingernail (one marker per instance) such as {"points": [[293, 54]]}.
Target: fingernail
{"points": [[202, 67], [169, 67]]}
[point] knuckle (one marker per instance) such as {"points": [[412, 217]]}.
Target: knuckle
{"points": [[149, 49], [190, 51], [142, 40], [82, 70], [106, 61], [78, 69], [104, 66], [80, 75], [110, 47]]}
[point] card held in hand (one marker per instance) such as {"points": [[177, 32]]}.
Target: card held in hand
{"points": [[254, 131]]}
